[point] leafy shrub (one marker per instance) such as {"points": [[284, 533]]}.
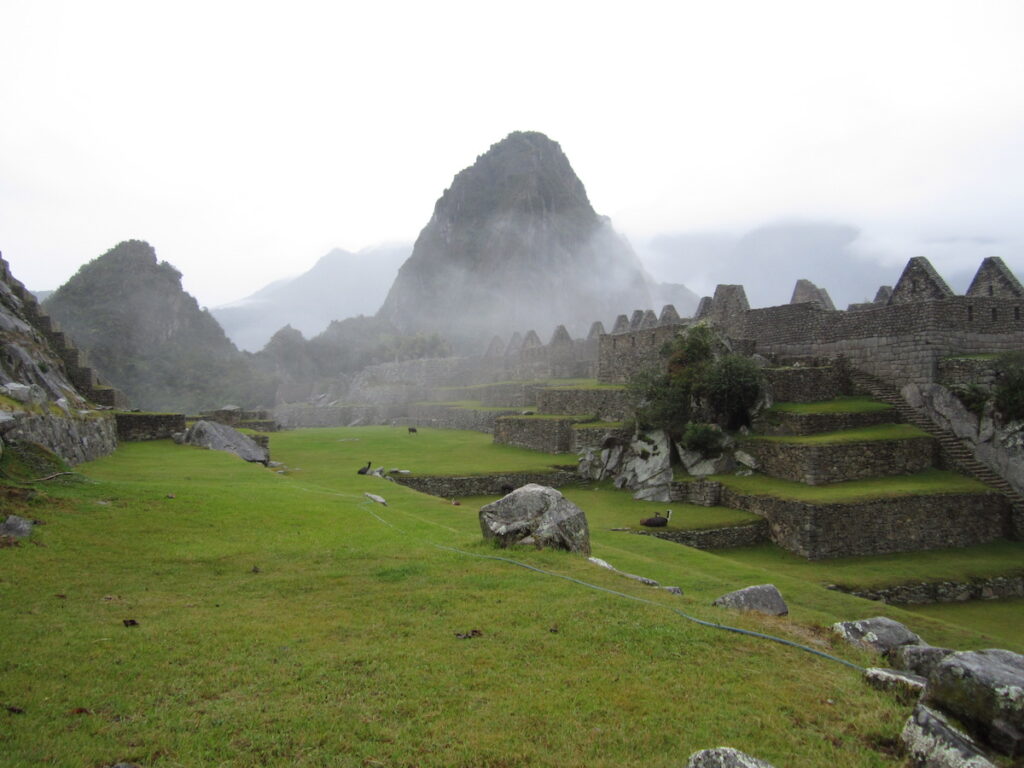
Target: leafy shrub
{"points": [[705, 439], [731, 385], [1009, 391], [702, 383], [973, 398]]}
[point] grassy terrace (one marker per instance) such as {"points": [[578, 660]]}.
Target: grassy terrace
{"points": [[286, 619], [848, 404], [859, 435], [931, 481], [474, 405]]}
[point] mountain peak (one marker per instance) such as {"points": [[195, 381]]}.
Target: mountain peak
{"points": [[514, 243]]}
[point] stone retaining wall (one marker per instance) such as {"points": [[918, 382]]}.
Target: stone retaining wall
{"points": [[878, 526], [821, 464], [484, 485], [449, 417], [965, 371], [806, 385], [927, 593], [295, 415], [715, 538], [620, 355], [75, 440], [605, 404], [545, 435], [136, 427], [802, 424], [592, 437]]}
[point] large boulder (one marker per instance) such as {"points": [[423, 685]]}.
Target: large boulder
{"points": [[538, 515], [985, 690], [724, 757], [879, 634], [763, 598], [219, 437], [931, 742]]}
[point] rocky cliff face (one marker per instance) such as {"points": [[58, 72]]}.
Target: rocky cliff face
{"points": [[514, 244], [39, 403], [148, 337]]}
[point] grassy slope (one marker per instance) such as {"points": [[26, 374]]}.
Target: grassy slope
{"points": [[927, 482], [846, 404], [341, 649], [861, 434]]}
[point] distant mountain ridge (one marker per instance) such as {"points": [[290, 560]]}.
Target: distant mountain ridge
{"points": [[148, 337], [340, 285], [514, 244]]}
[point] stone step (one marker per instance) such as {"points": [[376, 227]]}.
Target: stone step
{"points": [[952, 448]]}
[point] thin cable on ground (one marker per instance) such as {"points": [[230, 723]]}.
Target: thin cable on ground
{"points": [[588, 585]]}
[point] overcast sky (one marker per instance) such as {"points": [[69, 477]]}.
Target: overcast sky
{"points": [[244, 140]]}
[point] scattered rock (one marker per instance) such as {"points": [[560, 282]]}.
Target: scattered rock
{"points": [[908, 687], [538, 513], [745, 459], [220, 437], [375, 497], [724, 757], [674, 590], [919, 659], [880, 634], [30, 394], [17, 526], [984, 690], [931, 742], [763, 598], [467, 635]]}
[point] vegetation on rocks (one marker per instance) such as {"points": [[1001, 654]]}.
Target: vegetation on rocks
{"points": [[703, 382]]}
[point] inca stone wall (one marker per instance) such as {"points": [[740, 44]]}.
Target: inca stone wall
{"points": [[484, 485], [878, 526], [715, 538], [821, 464], [545, 434], [620, 355], [137, 427], [75, 440], [802, 424], [965, 371], [927, 593], [605, 404], [806, 385]]}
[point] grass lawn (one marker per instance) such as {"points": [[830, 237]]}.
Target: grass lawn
{"points": [[286, 619], [845, 404], [1001, 620], [931, 481], [859, 435], [474, 405]]}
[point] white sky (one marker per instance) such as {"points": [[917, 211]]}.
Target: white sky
{"points": [[244, 140]]}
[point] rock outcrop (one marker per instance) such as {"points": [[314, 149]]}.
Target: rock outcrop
{"points": [[220, 437], [514, 243]]}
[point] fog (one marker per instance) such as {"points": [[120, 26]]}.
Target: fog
{"points": [[841, 258]]}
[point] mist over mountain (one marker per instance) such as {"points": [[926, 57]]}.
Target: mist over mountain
{"points": [[514, 244], [340, 285], [769, 260], [148, 337]]}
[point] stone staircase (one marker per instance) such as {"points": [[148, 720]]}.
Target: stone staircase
{"points": [[79, 372], [954, 453]]}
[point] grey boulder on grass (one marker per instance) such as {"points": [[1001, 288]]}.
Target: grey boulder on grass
{"points": [[538, 515]]}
